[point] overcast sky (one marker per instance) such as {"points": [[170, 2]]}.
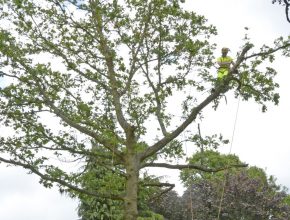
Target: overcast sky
{"points": [[260, 139]]}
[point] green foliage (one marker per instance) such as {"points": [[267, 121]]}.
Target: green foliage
{"points": [[286, 200], [173, 150], [210, 159], [257, 173], [150, 216], [102, 209], [208, 142]]}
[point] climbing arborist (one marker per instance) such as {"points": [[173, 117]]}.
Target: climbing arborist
{"points": [[224, 63]]}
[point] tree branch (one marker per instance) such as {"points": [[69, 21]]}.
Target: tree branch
{"points": [[192, 166], [270, 51], [155, 90], [169, 185]]}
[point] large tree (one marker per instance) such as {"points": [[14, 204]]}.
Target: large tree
{"points": [[111, 82]]}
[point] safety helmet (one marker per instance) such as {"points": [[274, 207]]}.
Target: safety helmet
{"points": [[225, 49]]}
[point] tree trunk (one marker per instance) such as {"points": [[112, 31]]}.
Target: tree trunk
{"points": [[131, 211]]}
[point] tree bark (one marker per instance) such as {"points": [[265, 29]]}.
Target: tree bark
{"points": [[130, 202]]}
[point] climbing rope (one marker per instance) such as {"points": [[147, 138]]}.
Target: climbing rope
{"points": [[227, 166], [190, 187]]}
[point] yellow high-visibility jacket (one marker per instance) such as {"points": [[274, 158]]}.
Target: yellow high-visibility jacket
{"points": [[224, 63]]}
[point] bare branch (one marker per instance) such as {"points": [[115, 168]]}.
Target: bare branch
{"points": [[193, 166], [169, 185]]}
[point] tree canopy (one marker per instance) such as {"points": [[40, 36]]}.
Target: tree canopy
{"points": [[113, 83]]}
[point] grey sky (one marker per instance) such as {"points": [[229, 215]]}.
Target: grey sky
{"points": [[260, 139]]}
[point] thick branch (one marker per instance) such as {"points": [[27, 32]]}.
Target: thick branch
{"points": [[159, 184], [241, 58], [193, 166]]}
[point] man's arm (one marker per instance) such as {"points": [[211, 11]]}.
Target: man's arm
{"points": [[225, 63]]}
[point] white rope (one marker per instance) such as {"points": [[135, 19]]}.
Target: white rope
{"points": [[190, 187], [227, 166]]}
